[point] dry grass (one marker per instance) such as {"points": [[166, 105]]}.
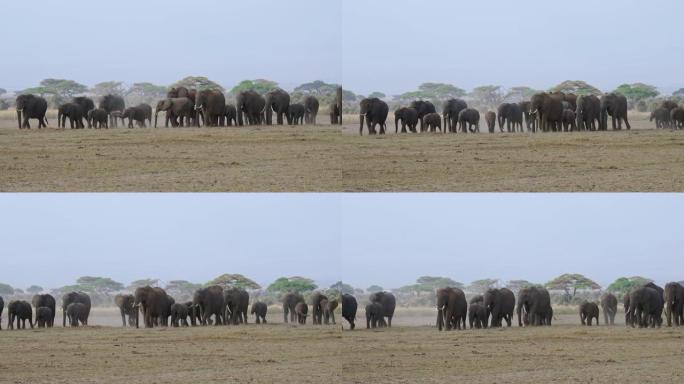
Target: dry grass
{"points": [[324, 159]]}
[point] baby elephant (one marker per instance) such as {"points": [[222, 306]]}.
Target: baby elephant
{"points": [[302, 311], [77, 312], [179, 315], [477, 316], [97, 118], [432, 121], [588, 311], [490, 118], [259, 311], [43, 317], [329, 311], [374, 316]]}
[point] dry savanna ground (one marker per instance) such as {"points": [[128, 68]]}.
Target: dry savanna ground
{"points": [[412, 351], [327, 159]]}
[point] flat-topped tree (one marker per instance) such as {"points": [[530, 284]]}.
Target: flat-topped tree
{"points": [[192, 82], [623, 285], [482, 285], [571, 282], [143, 283], [292, 284], [260, 86], [578, 87], [108, 88], [234, 280]]}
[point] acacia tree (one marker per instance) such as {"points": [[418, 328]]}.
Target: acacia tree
{"points": [[192, 82], [260, 86], [342, 288], [623, 285], [517, 285], [374, 289], [578, 87], [520, 93], [487, 96], [292, 284], [182, 290], [571, 282], [637, 92], [143, 283], [483, 285], [145, 93], [109, 88], [436, 93], [235, 280], [57, 90], [6, 289], [34, 289]]}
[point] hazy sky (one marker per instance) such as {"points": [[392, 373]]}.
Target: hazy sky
{"points": [[364, 239], [391, 46]]}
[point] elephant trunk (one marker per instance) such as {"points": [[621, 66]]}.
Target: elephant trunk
{"points": [[19, 117], [361, 117]]}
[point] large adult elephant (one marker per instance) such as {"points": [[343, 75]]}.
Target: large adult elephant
{"points": [[423, 108], [469, 120], [615, 106], [536, 303], [452, 308], [135, 114], [677, 118], [674, 303], [290, 301], [450, 111], [408, 117], [388, 303], [212, 104], [48, 301], [530, 123], [236, 301], [251, 105], [31, 107], [548, 111], [588, 113], [73, 112], [499, 304], [277, 101], [112, 103], [375, 112], [87, 104], [317, 307], [645, 307], [75, 297], [588, 311], [126, 304], [609, 307], [311, 104], [155, 306], [349, 307], [210, 302], [20, 311], [512, 115], [177, 111]]}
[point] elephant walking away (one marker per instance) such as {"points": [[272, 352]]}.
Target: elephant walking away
{"points": [[20, 311], [677, 118], [433, 122], [113, 103], [277, 101], [77, 314], [490, 118], [408, 117], [452, 309], [44, 317], [31, 107], [375, 112], [349, 307], [179, 315], [609, 307], [388, 303], [477, 316], [588, 311], [645, 307], [374, 316], [259, 310], [126, 304], [311, 106], [290, 301], [450, 112], [296, 114], [615, 106], [302, 311], [47, 301], [75, 297], [469, 118]]}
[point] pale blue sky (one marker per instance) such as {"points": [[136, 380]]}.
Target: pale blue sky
{"points": [[364, 239], [391, 46]]}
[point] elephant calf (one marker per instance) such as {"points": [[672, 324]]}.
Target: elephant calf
{"points": [[477, 316], [179, 315], [433, 122], [77, 312], [469, 119], [588, 311], [302, 311], [259, 310], [44, 317], [374, 316], [329, 311], [97, 118], [490, 118], [295, 114]]}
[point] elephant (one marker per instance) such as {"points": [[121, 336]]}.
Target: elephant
{"points": [[154, 304], [674, 303], [277, 101], [114, 118], [452, 308], [569, 120], [311, 106], [677, 118], [231, 115], [375, 112], [490, 118], [137, 114], [211, 104], [179, 315], [77, 313], [302, 311], [669, 105], [469, 118], [423, 108], [296, 114], [569, 99], [259, 310], [75, 297], [251, 105], [588, 113], [511, 115], [210, 301], [20, 311], [193, 313], [2, 307], [329, 311], [336, 108], [499, 304], [112, 103], [44, 317], [290, 301], [47, 301], [450, 111], [31, 107], [97, 118], [388, 302], [588, 311], [175, 108], [374, 316], [609, 308], [349, 307], [530, 123], [536, 303], [645, 307], [477, 316], [75, 114], [317, 307], [148, 111], [126, 304], [408, 117], [548, 111], [86, 103], [615, 106], [182, 92], [432, 121], [477, 299], [236, 302]]}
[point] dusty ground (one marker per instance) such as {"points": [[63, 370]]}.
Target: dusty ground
{"points": [[325, 159], [412, 351]]}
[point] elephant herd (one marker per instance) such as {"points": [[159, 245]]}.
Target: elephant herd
{"points": [[668, 115]]}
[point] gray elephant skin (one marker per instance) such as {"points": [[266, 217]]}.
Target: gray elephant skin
{"points": [[75, 297]]}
